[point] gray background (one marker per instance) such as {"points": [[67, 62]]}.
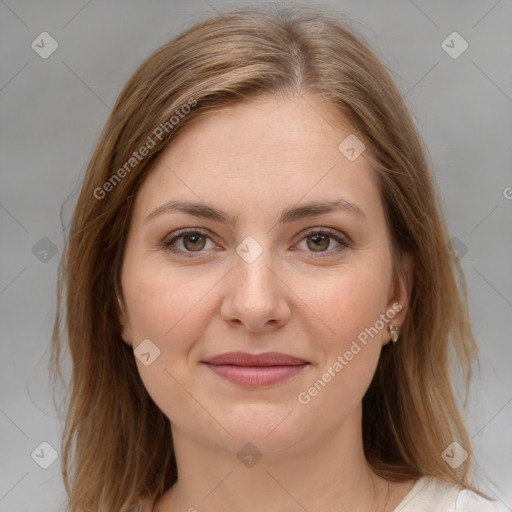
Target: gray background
{"points": [[52, 111]]}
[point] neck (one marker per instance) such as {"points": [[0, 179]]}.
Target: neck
{"points": [[328, 474]]}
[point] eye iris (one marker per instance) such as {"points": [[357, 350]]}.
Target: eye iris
{"points": [[324, 240], [194, 236]]}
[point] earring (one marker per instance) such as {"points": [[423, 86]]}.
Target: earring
{"points": [[394, 332]]}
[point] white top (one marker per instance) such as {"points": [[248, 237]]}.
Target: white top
{"points": [[430, 494]]}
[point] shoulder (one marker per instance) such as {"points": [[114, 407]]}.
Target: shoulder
{"points": [[430, 494], [468, 501]]}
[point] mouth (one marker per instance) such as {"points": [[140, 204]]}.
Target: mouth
{"points": [[255, 370]]}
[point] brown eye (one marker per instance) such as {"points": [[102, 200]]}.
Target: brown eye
{"points": [[194, 242], [318, 241], [187, 242]]}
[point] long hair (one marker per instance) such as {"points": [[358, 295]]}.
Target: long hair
{"points": [[117, 449]]}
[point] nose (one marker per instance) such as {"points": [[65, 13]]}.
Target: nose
{"points": [[256, 297]]}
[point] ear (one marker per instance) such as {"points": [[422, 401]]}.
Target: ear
{"points": [[400, 293], [122, 316]]}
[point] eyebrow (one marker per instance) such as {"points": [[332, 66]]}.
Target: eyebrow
{"points": [[289, 215]]}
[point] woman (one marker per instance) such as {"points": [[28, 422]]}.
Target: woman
{"points": [[260, 298]]}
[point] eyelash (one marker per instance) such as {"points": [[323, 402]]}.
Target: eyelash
{"points": [[344, 244]]}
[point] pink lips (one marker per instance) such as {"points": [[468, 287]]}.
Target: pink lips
{"points": [[255, 370]]}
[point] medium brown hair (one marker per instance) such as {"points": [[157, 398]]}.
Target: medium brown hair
{"points": [[117, 445]]}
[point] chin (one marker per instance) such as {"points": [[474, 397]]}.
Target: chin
{"points": [[271, 427]]}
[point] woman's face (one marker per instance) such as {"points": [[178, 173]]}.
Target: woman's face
{"points": [[266, 282]]}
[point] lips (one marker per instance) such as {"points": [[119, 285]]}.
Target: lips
{"points": [[255, 370], [246, 359]]}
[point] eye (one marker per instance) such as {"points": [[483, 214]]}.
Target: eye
{"points": [[194, 241], [191, 240], [319, 240]]}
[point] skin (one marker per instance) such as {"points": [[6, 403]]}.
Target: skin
{"points": [[253, 160]]}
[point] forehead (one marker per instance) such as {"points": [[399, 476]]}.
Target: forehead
{"points": [[293, 128], [266, 151]]}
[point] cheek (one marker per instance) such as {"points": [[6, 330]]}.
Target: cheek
{"points": [[167, 304], [171, 308], [345, 301], [349, 304], [349, 355]]}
